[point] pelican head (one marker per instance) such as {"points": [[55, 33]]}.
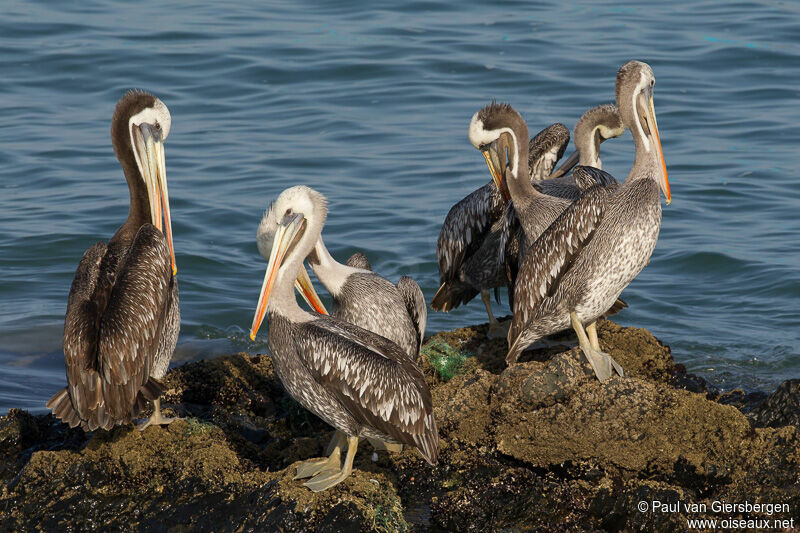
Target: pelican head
{"points": [[295, 220], [359, 260], [499, 132], [634, 91], [265, 238], [139, 128], [595, 126]]}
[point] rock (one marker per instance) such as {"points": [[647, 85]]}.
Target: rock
{"points": [[539, 445], [462, 407], [781, 408], [626, 426]]}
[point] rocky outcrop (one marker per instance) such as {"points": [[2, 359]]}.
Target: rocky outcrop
{"points": [[540, 445]]}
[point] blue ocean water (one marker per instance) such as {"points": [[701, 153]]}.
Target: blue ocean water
{"points": [[369, 103]]}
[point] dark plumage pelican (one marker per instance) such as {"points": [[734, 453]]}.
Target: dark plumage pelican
{"points": [[360, 297], [359, 382], [122, 317], [471, 234], [583, 261]]}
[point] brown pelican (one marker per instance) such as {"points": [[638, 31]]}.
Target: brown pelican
{"points": [[360, 296], [122, 317], [469, 240], [582, 262], [357, 381], [596, 125]]}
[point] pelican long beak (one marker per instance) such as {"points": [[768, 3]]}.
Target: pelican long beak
{"points": [[150, 148], [567, 165], [663, 180], [493, 160], [284, 236], [306, 289]]}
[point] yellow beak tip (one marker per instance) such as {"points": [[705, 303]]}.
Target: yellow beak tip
{"points": [[252, 336], [175, 270]]}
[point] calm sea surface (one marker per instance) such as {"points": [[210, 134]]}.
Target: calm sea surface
{"points": [[370, 105]]}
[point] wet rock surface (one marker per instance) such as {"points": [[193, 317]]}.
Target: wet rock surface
{"points": [[540, 445]]}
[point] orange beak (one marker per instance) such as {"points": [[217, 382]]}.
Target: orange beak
{"points": [[663, 180], [150, 150], [306, 289], [164, 194], [284, 236], [496, 170]]}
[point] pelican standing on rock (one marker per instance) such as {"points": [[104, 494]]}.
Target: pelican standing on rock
{"points": [[122, 317], [595, 126], [468, 244], [582, 262], [360, 296], [357, 381]]}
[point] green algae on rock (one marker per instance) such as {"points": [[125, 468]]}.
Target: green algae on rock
{"points": [[540, 445]]}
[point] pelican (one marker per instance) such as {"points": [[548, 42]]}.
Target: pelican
{"points": [[357, 381], [595, 126], [410, 292], [361, 297], [501, 134], [122, 317], [582, 262], [467, 249]]}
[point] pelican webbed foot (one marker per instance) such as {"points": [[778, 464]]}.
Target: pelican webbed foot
{"points": [[157, 419], [327, 479], [332, 463], [603, 364], [312, 467]]}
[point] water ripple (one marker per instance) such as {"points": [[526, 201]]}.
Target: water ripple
{"points": [[370, 104]]}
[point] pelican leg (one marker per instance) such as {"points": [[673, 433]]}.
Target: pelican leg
{"points": [[156, 419], [602, 363], [337, 441], [326, 480], [591, 331], [333, 463], [391, 447], [496, 329]]}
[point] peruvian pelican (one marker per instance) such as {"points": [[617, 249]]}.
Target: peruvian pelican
{"points": [[468, 244], [581, 263], [122, 318], [357, 381]]}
